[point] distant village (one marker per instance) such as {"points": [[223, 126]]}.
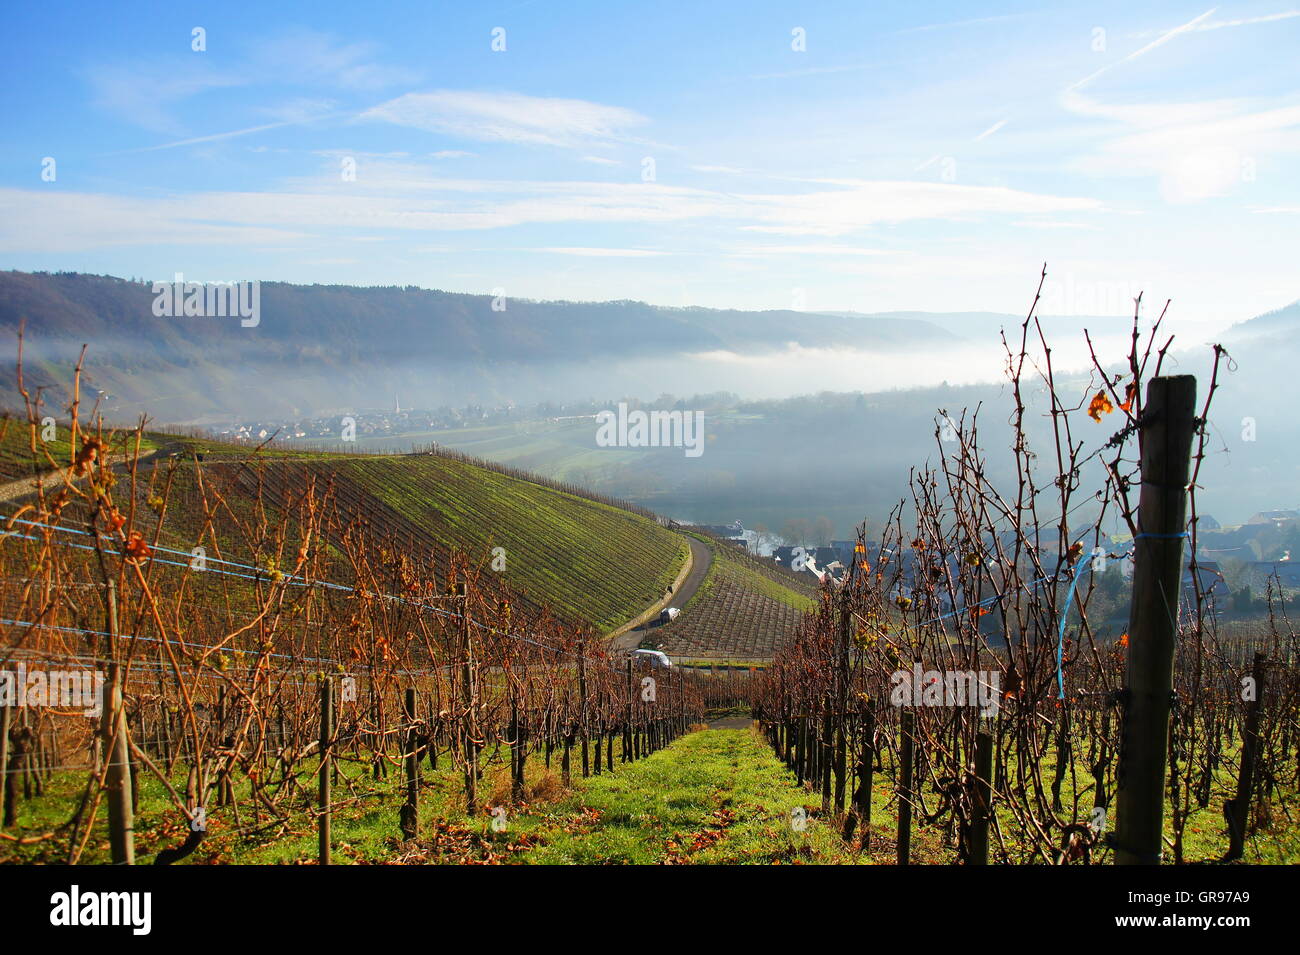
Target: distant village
{"points": [[373, 424], [1238, 565]]}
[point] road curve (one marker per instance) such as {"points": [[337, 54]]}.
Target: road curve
{"points": [[19, 488], [701, 558]]}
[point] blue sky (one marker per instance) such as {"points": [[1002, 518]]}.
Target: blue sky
{"points": [[911, 156]]}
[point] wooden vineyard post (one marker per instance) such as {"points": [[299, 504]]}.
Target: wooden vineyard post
{"points": [[600, 732], [434, 729], [842, 700], [223, 779], [519, 752], [983, 799], [609, 738], [801, 749], [410, 816], [117, 781], [860, 812], [627, 733], [905, 788], [469, 729], [869, 771], [325, 778], [1237, 810], [111, 601], [5, 713], [1166, 428], [566, 749], [582, 706], [825, 750], [681, 703]]}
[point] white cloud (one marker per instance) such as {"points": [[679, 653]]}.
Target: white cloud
{"points": [[603, 253], [308, 57], [214, 137], [1142, 51], [1194, 150], [976, 21], [990, 131], [302, 109], [865, 203], [1222, 24], [819, 249], [1049, 224], [508, 117], [402, 198], [148, 94], [64, 221], [144, 95], [727, 170]]}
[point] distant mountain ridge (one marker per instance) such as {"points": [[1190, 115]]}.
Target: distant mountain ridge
{"points": [[1279, 321], [346, 344], [330, 349]]}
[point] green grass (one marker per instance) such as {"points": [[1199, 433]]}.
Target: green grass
{"points": [[713, 797], [716, 796]]}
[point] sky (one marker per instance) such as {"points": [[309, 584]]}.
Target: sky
{"points": [[853, 156]]}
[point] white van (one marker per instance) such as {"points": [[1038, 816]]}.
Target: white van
{"points": [[656, 658]]}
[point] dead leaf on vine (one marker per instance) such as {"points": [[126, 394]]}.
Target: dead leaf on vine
{"points": [[1099, 406], [137, 548]]}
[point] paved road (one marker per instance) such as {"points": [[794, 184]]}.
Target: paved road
{"points": [[20, 488], [701, 558]]}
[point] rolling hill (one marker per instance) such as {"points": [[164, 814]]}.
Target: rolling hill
{"points": [[317, 349]]}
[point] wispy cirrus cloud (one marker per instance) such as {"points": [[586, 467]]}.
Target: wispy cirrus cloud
{"points": [[393, 197], [509, 117], [1195, 150], [990, 131], [820, 249], [312, 58], [1159, 41], [600, 252], [1227, 24], [857, 204], [147, 95], [953, 24]]}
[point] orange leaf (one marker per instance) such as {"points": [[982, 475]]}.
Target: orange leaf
{"points": [[137, 548], [1099, 405], [1130, 395]]}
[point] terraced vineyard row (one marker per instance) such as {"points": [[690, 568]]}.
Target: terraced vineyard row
{"points": [[740, 613], [587, 560], [17, 459]]}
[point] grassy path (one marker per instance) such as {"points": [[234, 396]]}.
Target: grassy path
{"points": [[715, 796]]}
